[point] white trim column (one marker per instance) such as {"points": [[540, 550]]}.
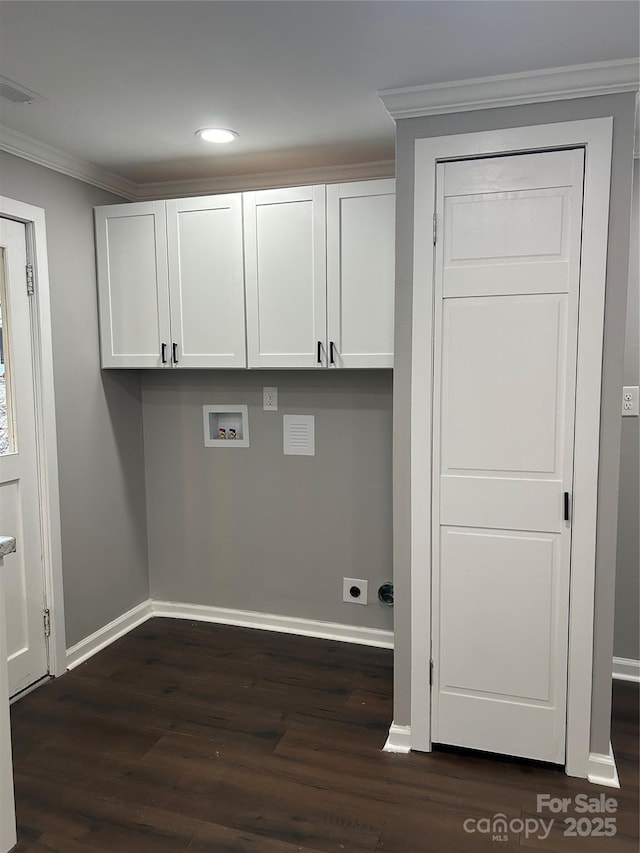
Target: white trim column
{"points": [[7, 805], [595, 135]]}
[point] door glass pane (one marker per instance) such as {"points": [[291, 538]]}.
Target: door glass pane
{"points": [[7, 426]]}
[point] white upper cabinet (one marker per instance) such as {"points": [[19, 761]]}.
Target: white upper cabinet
{"points": [[133, 284], [285, 263], [360, 273], [320, 280], [206, 281], [313, 267], [171, 283]]}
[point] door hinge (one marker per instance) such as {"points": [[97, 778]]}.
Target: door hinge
{"points": [[30, 285], [435, 228], [430, 673], [47, 623]]}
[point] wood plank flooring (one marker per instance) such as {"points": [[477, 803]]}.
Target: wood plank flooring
{"points": [[190, 736]]}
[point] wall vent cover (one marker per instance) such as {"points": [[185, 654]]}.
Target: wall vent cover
{"points": [[17, 94], [299, 435]]}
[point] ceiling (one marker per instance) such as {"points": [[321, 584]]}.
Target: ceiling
{"points": [[126, 84]]}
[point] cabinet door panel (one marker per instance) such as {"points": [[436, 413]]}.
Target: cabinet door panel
{"points": [[360, 272], [206, 280], [132, 283], [285, 266]]}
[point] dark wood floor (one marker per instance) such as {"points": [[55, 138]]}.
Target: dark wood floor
{"points": [[190, 736]]}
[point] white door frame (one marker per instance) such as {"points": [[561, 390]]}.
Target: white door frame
{"points": [[47, 449], [596, 137]]}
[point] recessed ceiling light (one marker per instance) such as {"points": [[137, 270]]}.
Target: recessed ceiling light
{"points": [[217, 134]]}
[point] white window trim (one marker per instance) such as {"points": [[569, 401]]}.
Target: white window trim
{"points": [[34, 220], [596, 136]]}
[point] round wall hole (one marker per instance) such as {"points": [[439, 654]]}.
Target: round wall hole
{"points": [[385, 594]]}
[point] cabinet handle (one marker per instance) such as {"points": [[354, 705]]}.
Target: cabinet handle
{"points": [[174, 349], [319, 352], [163, 353], [566, 506], [332, 347]]}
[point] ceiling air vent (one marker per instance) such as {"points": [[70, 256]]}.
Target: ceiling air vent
{"points": [[16, 94]]}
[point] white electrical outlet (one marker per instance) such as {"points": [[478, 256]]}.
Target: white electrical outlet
{"points": [[354, 590], [269, 399], [630, 400]]}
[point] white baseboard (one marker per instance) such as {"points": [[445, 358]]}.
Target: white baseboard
{"points": [[272, 622], [602, 769], [626, 669], [399, 739], [103, 637]]}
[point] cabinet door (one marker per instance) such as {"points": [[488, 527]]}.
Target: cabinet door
{"points": [[132, 283], [206, 281], [286, 277], [360, 272]]}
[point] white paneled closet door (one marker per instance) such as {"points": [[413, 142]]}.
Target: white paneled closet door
{"points": [[507, 291]]}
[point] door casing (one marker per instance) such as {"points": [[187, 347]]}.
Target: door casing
{"points": [[595, 135], [49, 495]]}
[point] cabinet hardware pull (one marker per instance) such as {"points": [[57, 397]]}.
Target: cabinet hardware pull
{"points": [[163, 355], [566, 506], [332, 347], [174, 348], [319, 357]]}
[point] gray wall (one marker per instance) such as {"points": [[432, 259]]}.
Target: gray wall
{"points": [[626, 640], [98, 414], [252, 529], [621, 107], [332, 513]]}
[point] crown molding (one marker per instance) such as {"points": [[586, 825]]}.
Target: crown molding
{"points": [[551, 84], [507, 90], [53, 158], [38, 152], [267, 180]]}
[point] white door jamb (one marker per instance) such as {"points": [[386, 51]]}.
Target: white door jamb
{"points": [[34, 219], [595, 135]]}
